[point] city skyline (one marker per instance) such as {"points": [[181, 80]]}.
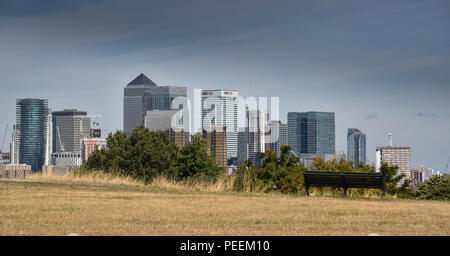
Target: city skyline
{"points": [[397, 84]]}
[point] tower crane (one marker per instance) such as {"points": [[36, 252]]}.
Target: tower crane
{"points": [[4, 138], [446, 166]]}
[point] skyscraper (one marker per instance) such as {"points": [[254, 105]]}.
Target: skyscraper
{"points": [[278, 136], [143, 94], [356, 146], [70, 127], [216, 143], [220, 108], [252, 141], [311, 132], [31, 132], [395, 156]]}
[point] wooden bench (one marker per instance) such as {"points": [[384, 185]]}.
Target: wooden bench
{"points": [[344, 180]]}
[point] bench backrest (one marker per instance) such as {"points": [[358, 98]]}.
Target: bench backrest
{"points": [[344, 179]]}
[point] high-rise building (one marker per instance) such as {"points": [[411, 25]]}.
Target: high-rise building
{"points": [[142, 94], [14, 147], [356, 146], [395, 156], [162, 120], [252, 141], [49, 138], [278, 135], [216, 143], [31, 132], [70, 127], [220, 108], [311, 132], [166, 120]]}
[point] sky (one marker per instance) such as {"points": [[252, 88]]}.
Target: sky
{"points": [[381, 66]]}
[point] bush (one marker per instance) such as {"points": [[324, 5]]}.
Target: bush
{"points": [[436, 188], [148, 154]]}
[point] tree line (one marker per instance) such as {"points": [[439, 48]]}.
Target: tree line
{"points": [[146, 154]]}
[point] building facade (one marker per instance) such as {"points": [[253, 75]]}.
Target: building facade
{"points": [[220, 108], [252, 141], [311, 132], [395, 156], [31, 132], [67, 159], [91, 145], [356, 146], [142, 94], [70, 127], [216, 141], [277, 135]]}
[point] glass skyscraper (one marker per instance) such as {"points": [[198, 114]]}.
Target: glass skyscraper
{"points": [[31, 128], [225, 106], [356, 146], [142, 94], [311, 132]]}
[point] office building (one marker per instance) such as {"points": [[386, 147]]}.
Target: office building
{"points": [[142, 94], [70, 127], [395, 156], [252, 141], [90, 145], [5, 158], [15, 171], [220, 108], [217, 145], [66, 159], [311, 132], [31, 131], [278, 136], [356, 146], [170, 121]]}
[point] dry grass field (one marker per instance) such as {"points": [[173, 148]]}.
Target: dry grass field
{"points": [[61, 205]]}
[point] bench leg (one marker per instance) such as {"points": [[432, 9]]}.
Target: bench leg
{"points": [[345, 192], [307, 190]]}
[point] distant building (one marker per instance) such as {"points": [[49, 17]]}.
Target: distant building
{"points": [[216, 140], [166, 120], [142, 94], [311, 132], [252, 141], [15, 171], [5, 158], [278, 135], [91, 145], [70, 127], [66, 159], [224, 103], [416, 177], [395, 156], [356, 146], [31, 132]]}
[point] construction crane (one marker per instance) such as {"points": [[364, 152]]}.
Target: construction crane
{"points": [[446, 166], [4, 138]]}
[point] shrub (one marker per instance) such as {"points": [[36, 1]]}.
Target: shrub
{"points": [[435, 188]]}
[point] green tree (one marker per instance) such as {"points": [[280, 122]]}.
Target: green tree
{"points": [[282, 173], [392, 179], [194, 160], [435, 188], [143, 155]]}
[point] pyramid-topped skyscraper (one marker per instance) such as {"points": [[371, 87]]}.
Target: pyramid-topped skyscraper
{"points": [[141, 95]]}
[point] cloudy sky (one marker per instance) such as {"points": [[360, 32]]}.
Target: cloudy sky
{"points": [[382, 66]]}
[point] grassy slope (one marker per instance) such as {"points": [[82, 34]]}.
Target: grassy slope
{"points": [[44, 206]]}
